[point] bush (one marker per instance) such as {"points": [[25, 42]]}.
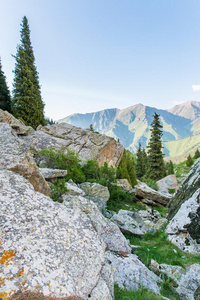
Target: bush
{"points": [[91, 170], [58, 189], [152, 184], [64, 159]]}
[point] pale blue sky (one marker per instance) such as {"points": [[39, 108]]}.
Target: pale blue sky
{"points": [[97, 54]]}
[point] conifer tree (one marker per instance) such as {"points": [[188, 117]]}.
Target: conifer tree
{"points": [[130, 164], [27, 103], [189, 161], [141, 162], [5, 100], [156, 167], [170, 167], [197, 154], [122, 171]]}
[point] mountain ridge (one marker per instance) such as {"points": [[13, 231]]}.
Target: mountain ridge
{"points": [[131, 125]]}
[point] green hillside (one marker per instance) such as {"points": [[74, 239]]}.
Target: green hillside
{"points": [[178, 150]]}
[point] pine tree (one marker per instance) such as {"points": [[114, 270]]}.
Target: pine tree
{"points": [[130, 164], [141, 162], [197, 154], [156, 167], [189, 161], [27, 103], [170, 167], [122, 171], [5, 100]]}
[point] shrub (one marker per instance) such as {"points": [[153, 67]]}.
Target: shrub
{"points": [[91, 170], [152, 184], [64, 159], [58, 189]]}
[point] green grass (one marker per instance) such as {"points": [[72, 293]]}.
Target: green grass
{"points": [[156, 246], [141, 294]]}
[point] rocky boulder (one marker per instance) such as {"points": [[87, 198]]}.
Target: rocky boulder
{"points": [[184, 213], [52, 174], [129, 222], [166, 183], [17, 125], [97, 193], [143, 191], [107, 230], [124, 185], [131, 274], [189, 286], [47, 247], [89, 145], [16, 156]]}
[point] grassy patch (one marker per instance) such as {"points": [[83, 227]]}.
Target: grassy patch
{"points": [[156, 246], [141, 294]]}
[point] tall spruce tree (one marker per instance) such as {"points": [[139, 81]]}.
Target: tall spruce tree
{"points": [[27, 103], [5, 100], [156, 166]]}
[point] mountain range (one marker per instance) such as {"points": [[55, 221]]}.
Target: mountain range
{"points": [[181, 127]]}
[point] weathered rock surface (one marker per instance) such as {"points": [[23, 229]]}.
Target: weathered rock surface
{"points": [[45, 246], [184, 212], [143, 191], [166, 183], [107, 230], [131, 274], [129, 222], [73, 189], [97, 193], [52, 173], [17, 125], [175, 273], [87, 144], [16, 156], [124, 185], [189, 286], [186, 190]]}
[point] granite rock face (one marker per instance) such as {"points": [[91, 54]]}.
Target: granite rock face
{"points": [[184, 213], [47, 247], [189, 286], [131, 274], [50, 174], [87, 144], [16, 156], [107, 230]]}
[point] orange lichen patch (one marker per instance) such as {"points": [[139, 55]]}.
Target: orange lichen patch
{"points": [[7, 257], [4, 295], [2, 281], [20, 273], [23, 282]]}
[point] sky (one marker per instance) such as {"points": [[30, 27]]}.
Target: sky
{"points": [[97, 54]]}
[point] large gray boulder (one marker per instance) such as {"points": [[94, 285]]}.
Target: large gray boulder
{"points": [[97, 193], [184, 213], [47, 247], [15, 155], [131, 274], [189, 286], [107, 230], [143, 191], [89, 145], [129, 222]]}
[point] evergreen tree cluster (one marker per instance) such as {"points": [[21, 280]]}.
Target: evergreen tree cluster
{"points": [[26, 103]]}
